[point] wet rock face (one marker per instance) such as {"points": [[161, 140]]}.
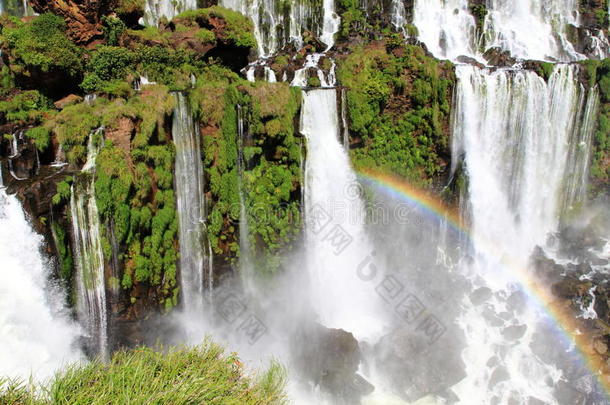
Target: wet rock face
{"points": [[415, 368], [83, 18], [581, 284], [498, 57], [329, 358]]}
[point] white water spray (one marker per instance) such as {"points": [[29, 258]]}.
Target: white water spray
{"points": [[36, 339], [336, 239], [515, 131]]}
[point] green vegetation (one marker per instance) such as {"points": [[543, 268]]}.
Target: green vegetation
{"points": [[199, 375], [545, 69], [134, 182], [107, 65], [598, 73], [66, 261], [272, 173], [25, 107], [238, 29], [214, 101], [399, 102], [353, 19], [271, 153], [479, 12], [41, 137], [127, 7], [40, 49], [113, 30]]}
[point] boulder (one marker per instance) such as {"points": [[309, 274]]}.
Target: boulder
{"points": [[415, 368], [68, 100], [497, 57], [329, 358]]}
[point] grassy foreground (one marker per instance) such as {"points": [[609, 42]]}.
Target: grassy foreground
{"points": [[199, 375]]}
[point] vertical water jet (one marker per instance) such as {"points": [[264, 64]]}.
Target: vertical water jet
{"points": [[190, 207], [90, 282]]}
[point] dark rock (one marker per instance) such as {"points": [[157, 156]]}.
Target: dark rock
{"points": [[329, 358], [480, 295], [568, 393], [498, 57], [416, 368], [83, 17], [498, 375], [517, 301], [570, 288], [514, 332], [470, 61]]}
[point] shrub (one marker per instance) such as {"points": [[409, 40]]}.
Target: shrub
{"points": [[113, 28], [41, 137], [27, 106], [42, 44]]}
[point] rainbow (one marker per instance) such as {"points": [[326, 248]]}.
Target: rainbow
{"points": [[563, 320]]}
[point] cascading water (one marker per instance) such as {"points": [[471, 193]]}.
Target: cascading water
{"points": [[532, 29], [527, 29], [514, 131], [154, 10], [274, 27], [301, 76], [398, 15], [245, 260], [36, 339], [190, 207], [334, 214], [577, 167], [91, 301], [446, 27]]}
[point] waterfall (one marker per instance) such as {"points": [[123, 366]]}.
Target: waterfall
{"points": [[398, 15], [301, 76], [516, 133], [36, 339], [190, 206], [331, 24], [154, 10], [446, 27], [334, 216], [532, 29], [579, 155], [527, 29], [91, 302], [274, 26], [245, 259]]}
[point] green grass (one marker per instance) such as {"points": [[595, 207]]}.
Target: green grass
{"points": [[198, 375]]}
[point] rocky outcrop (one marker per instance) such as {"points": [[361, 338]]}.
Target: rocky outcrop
{"points": [[83, 18], [581, 286]]}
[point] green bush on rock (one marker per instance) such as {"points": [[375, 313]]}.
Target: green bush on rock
{"points": [[40, 54], [237, 29], [399, 102]]}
